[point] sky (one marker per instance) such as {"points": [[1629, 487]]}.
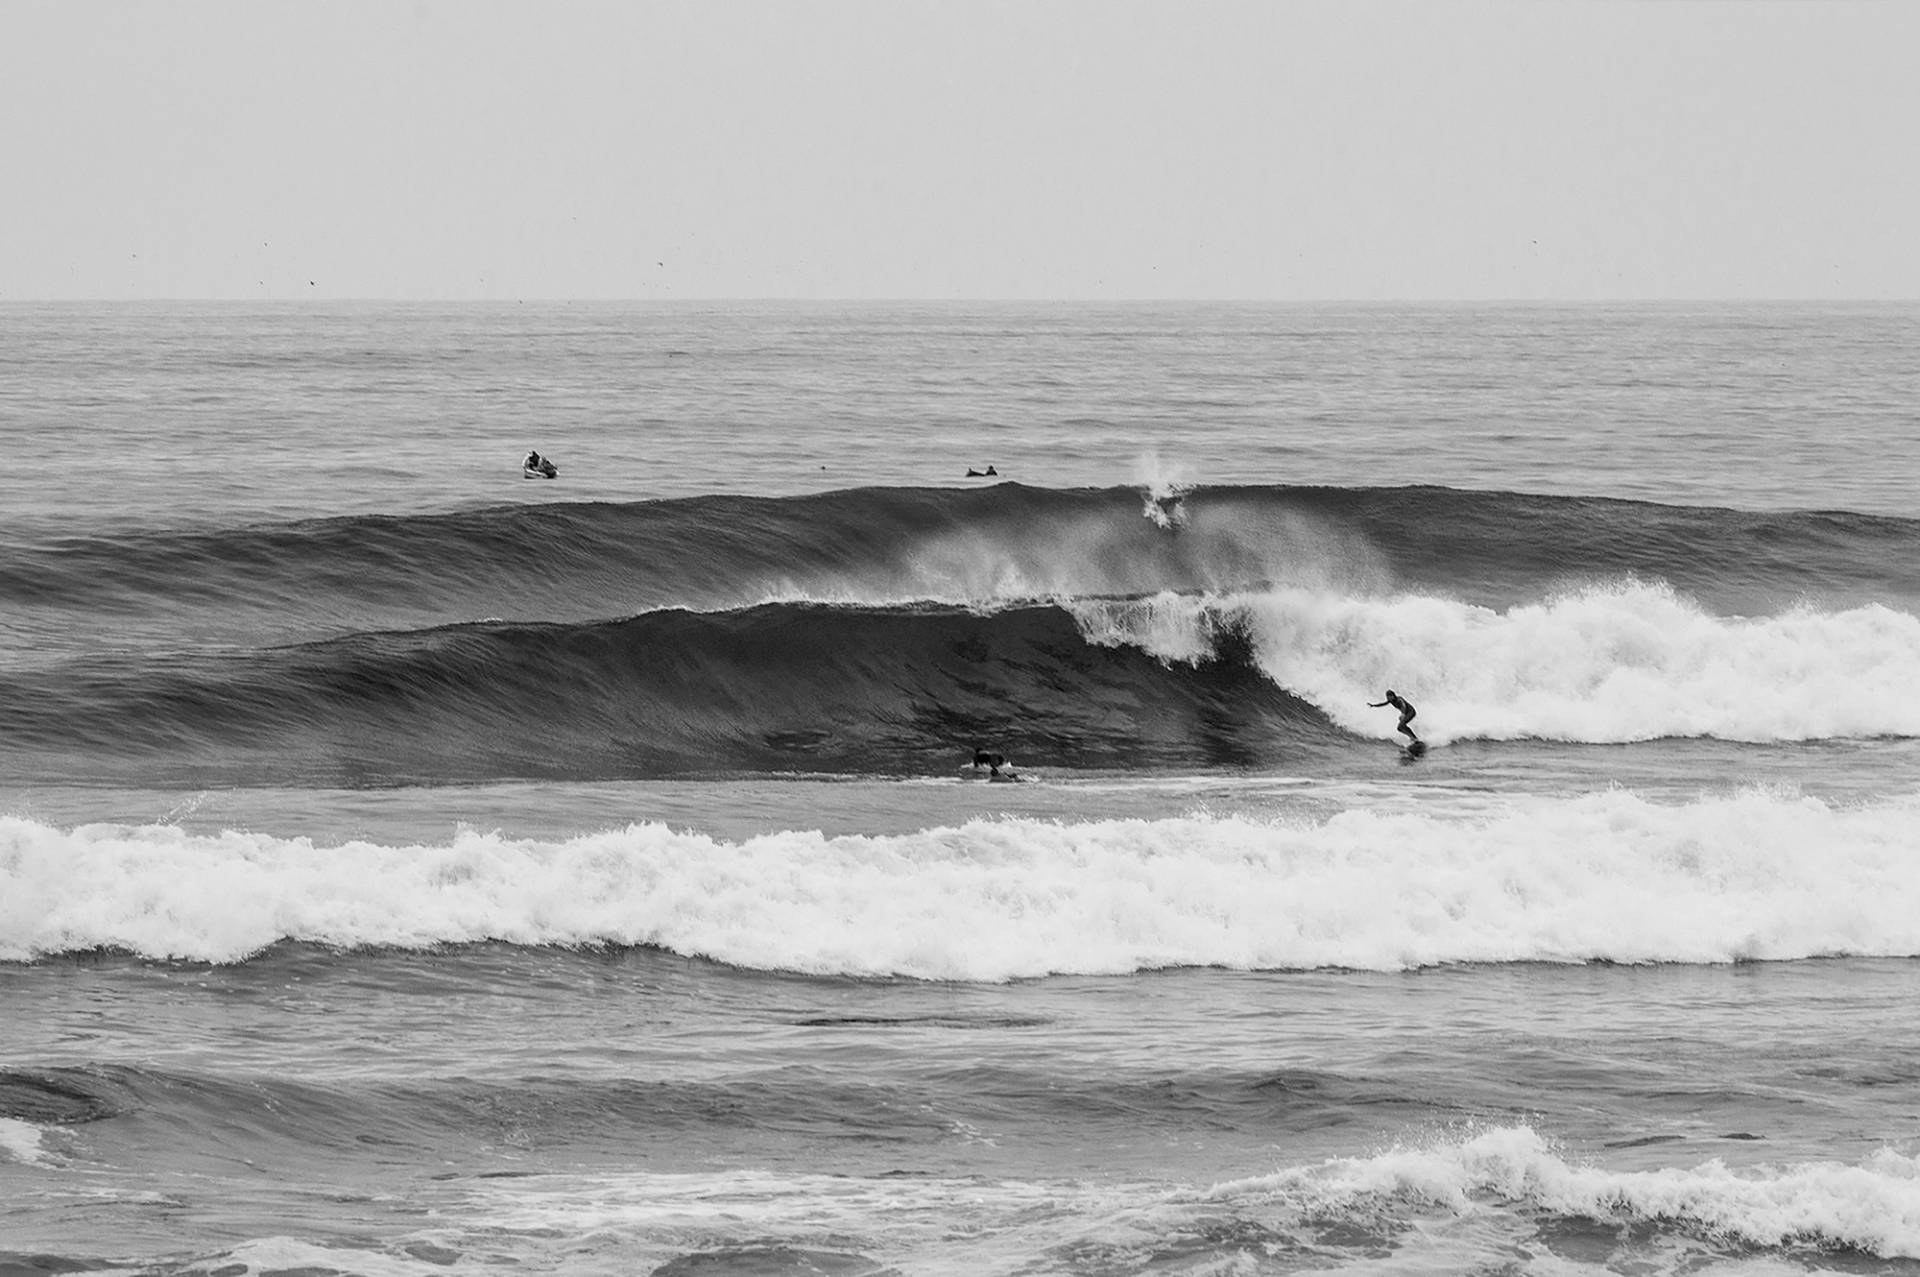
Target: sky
{"points": [[970, 149]]}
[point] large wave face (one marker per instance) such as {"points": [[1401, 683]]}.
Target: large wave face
{"points": [[804, 687], [890, 630]]}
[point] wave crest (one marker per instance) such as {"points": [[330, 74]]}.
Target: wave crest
{"points": [[1873, 1207], [1604, 664]]}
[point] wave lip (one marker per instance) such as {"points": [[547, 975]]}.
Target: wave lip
{"points": [[1607, 877]]}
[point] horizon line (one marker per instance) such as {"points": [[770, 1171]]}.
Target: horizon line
{"points": [[742, 299]]}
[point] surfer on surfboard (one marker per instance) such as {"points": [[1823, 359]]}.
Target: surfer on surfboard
{"points": [[1406, 713]]}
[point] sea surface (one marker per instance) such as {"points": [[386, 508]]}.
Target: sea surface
{"points": [[411, 868]]}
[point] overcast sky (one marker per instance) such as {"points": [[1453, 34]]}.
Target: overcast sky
{"points": [[960, 149]]}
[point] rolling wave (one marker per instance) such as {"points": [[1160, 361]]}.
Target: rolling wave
{"points": [[1872, 1208], [1608, 1217], [1605, 876], [890, 630], [1170, 681]]}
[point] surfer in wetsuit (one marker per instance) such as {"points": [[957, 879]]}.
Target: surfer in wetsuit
{"points": [[1406, 712], [994, 762]]}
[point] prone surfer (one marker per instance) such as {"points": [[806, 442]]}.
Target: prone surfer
{"points": [[1406, 712]]}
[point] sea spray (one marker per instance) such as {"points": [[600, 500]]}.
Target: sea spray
{"points": [[1163, 487]]}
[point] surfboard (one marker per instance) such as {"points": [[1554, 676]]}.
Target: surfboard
{"points": [[1416, 749]]}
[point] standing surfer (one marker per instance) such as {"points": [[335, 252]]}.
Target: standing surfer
{"points": [[1406, 712]]}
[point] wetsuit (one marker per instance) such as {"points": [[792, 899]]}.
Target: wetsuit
{"points": [[1406, 712]]}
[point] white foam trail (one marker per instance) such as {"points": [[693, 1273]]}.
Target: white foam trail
{"points": [[1606, 664], [20, 1141], [1603, 876], [1872, 1207], [293, 1255]]}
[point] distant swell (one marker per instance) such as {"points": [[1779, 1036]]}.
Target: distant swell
{"points": [[572, 562]]}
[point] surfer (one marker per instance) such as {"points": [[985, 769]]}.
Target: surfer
{"points": [[992, 762], [1406, 712], [537, 464]]}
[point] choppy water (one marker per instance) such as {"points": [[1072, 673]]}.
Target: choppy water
{"points": [[408, 867]]}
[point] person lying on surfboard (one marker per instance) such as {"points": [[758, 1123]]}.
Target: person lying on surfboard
{"points": [[1406, 712]]}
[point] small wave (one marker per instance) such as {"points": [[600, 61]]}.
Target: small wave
{"points": [[1872, 1207], [1390, 1211]]}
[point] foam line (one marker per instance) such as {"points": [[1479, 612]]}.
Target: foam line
{"points": [[1603, 876]]}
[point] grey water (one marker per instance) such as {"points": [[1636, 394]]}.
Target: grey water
{"points": [[1566, 1006]]}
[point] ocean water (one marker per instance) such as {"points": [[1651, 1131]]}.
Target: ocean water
{"points": [[407, 867]]}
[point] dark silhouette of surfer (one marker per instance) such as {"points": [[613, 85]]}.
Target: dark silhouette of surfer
{"points": [[1406, 712], [993, 763], [988, 473]]}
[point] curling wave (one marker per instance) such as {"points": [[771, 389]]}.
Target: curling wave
{"points": [[1248, 680]]}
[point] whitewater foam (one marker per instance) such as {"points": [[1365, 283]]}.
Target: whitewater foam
{"points": [[1627, 661], [21, 1141], [1606, 876], [1872, 1207]]}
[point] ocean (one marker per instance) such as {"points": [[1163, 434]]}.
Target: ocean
{"points": [[408, 867]]}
